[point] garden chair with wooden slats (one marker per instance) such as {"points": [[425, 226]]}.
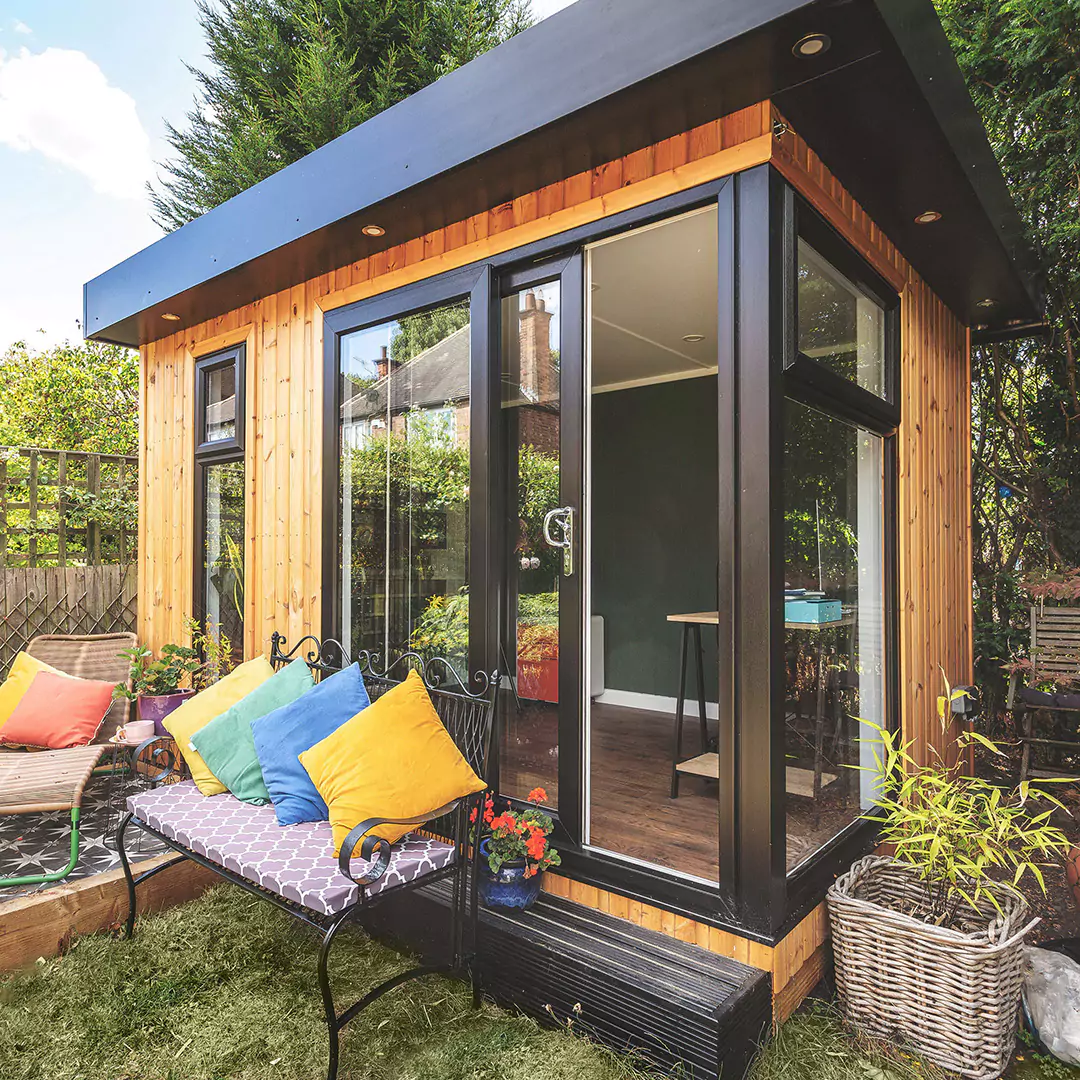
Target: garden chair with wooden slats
{"points": [[1055, 653], [39, 782]]}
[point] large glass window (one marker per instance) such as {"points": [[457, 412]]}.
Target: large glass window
{"points": [[840, 325], [834, 617], [404, 439]]}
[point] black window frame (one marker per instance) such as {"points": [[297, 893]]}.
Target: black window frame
{"points": [[810, 383], [217, 452], [207, 451], [758, 367]]}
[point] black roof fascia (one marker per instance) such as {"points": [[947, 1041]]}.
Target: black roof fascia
{"points": [[581, 55], [593, 82]]}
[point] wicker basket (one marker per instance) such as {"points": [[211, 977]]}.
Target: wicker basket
{"points": [[951, 996]]}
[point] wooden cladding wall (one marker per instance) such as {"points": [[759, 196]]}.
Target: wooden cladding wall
{"points": [[284, 388], [934, 444]]}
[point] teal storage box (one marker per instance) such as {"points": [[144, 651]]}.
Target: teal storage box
{"points": [[812, 610]]}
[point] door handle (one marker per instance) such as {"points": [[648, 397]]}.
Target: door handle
{"points": [[562, 519]]}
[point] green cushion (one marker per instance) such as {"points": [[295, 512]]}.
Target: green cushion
{"points": [[226, 743]]}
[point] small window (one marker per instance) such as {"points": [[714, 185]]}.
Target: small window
{"points": [[220, 509], [219, 401], [840, 325]]}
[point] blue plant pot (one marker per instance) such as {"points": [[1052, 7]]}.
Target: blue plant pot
{"points": [[509, 888]]}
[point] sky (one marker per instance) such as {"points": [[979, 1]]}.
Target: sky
{"points": [[85, 92]]}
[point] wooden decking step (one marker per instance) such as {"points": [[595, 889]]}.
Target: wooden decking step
{"points": [[677, 1005]]}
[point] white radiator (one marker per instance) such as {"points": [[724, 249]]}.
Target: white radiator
{"points": [[596, 655]]}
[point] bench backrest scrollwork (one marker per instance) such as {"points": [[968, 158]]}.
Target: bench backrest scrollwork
{"points": [[466, 712]]}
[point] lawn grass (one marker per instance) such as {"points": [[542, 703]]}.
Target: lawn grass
{"points": [[224, 987]]}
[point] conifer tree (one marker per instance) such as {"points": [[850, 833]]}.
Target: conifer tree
{"points": [[287, 76]]}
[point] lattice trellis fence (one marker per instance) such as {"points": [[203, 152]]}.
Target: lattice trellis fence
{"points": [[63, 600]]}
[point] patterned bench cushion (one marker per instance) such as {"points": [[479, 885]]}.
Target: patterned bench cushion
{"points": [[296, 861]]}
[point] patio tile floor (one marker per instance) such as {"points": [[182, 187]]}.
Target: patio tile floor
{"points": [[40, 844]]}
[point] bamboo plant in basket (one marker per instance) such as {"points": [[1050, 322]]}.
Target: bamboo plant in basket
{"points": [[929, 941]]}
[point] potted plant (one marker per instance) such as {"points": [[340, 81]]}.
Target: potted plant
{"points": [[515, 851], [157, 684], [928, 942]]}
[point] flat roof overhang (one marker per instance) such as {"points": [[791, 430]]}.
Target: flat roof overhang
{"points": [[885, 107]]}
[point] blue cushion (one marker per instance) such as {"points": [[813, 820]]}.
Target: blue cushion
{"points": [[283, 735]]}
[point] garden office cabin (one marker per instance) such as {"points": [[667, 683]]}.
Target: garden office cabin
{"points": [[638, 342]]}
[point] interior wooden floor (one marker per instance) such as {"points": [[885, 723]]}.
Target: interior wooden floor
{"points": [[632, 812]]}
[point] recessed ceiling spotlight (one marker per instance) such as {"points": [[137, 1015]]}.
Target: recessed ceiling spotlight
{"points": [[171, 317], [988, 302], [373, 230], [811, 45], [692, 338], [927, 217]]}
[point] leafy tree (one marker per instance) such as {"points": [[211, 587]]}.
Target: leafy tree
{"points": [[70, 397], [287, 76], [418, 333], [1021, 62]]}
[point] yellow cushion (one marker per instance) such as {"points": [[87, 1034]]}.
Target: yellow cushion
{"points": [[199, 710], [23, 669], [392, 760]]}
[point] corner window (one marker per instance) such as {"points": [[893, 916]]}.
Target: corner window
{"points": [[220, 487], [840, 325], [839, 422]]}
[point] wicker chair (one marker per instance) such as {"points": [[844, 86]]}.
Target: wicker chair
{"points": [[35, 783]]}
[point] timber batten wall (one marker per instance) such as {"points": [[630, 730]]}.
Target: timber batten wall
{"points": [[284, 336]]}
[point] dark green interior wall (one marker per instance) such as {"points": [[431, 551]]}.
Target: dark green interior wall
{"points": [[654, 527]]}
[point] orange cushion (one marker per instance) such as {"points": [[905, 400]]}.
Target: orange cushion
{"points": [[58, 711], [23, 669]]}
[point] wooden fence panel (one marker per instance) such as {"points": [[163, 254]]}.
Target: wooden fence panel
{"points": [[66, 507], [63, 600]]}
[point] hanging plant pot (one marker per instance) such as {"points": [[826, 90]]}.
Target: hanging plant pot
{"points": [[509, 887], [157, 706]]}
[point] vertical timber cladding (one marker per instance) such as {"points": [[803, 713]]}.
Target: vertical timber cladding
{"points": [[284, 335], [934, 450], [284, 469]]}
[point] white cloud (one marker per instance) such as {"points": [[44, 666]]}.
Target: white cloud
{"points": [[20, 27], [58, 103]]}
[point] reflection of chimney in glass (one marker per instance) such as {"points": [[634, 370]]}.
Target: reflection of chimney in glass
{"points": [[382, 365], [539, 377]]}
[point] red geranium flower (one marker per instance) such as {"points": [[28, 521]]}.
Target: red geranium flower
{"points": [[538, 795]]}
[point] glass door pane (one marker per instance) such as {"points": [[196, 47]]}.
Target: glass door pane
{"points": [[653, 545], [404, 442], [531, 413]]}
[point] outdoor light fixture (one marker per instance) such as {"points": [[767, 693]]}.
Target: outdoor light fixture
{"points": [[373, 230], [811, 45], [989, 302], [171, 317], [927, 217], [692, 338]]}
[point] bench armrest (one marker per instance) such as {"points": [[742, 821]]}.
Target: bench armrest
{"points": [[377, 849], [162, 756]]}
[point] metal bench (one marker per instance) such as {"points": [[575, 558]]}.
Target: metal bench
{"points": [[1055, 651], [294, 868]]}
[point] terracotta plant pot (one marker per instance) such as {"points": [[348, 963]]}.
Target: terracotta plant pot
{"points": [[509, 888], [157, 706]]}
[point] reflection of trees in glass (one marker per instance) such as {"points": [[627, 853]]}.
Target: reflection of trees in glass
{"points": [[819, 461], [538, 492], [418, 333], [827, 313], [224, 554]]}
